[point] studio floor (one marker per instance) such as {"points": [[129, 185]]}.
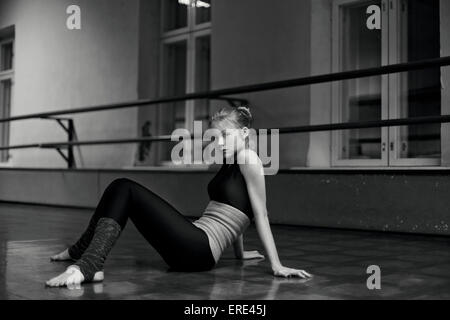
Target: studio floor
{"points": [[412, 266]]}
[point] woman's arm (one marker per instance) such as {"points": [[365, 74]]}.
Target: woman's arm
{"points": [[252, 170], [238, 247]]}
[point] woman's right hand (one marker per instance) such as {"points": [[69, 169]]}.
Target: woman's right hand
{"points": [[286, 272], [248, 255]]}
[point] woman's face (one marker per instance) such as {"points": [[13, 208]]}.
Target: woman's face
{"points": [[231, 139]]}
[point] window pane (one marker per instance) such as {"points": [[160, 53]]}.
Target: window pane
{"points": [[202, 77], [5, 107], [420, 90], [175, 14], [172, 115], [203, 11], [6, 54], [360, 98]]}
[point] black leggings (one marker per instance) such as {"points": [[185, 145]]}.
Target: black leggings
{"points": [[181, 244]]}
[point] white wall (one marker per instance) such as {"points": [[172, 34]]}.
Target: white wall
{"points": [[319, 153], [60, 69]]}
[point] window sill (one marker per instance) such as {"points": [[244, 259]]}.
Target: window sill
{"points": [[169, 168], [357, 168], [202, 169]]}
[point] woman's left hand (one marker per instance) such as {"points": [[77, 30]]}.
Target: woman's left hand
{"points": [[252, 255], [288, 272]]}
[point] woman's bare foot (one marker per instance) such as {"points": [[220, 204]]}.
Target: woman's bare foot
{"points": [[72, 276], [63, 256]]}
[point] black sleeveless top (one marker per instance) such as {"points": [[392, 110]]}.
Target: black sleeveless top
{"points": [[229, 186]]}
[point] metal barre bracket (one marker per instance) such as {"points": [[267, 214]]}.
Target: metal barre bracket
{"points": [[70, 130]]}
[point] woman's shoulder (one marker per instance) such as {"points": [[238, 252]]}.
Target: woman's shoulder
{"points": [[249, 162], [247, 156]]}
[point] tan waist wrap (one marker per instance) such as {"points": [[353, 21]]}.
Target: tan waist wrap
{"points": [[223, 224]]}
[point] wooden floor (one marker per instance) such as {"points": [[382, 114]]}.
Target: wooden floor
{"points": [[412, 267]]}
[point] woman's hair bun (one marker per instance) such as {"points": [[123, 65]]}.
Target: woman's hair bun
{"points": [[245, 110], [246, 117]]}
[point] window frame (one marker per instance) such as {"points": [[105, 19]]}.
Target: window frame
{"points": [[6, 75], [390, 108], [191, 23], [395, 89], [336, 136], [189, 34], [10, 72]]}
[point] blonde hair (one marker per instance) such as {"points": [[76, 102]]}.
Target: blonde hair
{"points": [[239, 118]]}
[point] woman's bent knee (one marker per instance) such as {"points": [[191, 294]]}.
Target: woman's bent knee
{"points": [[121, 183]]}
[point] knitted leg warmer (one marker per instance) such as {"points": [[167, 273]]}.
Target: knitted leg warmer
{"points": [[106, 234], [77, 250]]}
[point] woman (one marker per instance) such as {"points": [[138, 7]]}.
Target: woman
{"points": [[237, 196]]}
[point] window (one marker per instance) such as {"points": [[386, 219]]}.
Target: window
{"points": [[6, 85], [185, 66], [416, 93], [409, 31]]}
